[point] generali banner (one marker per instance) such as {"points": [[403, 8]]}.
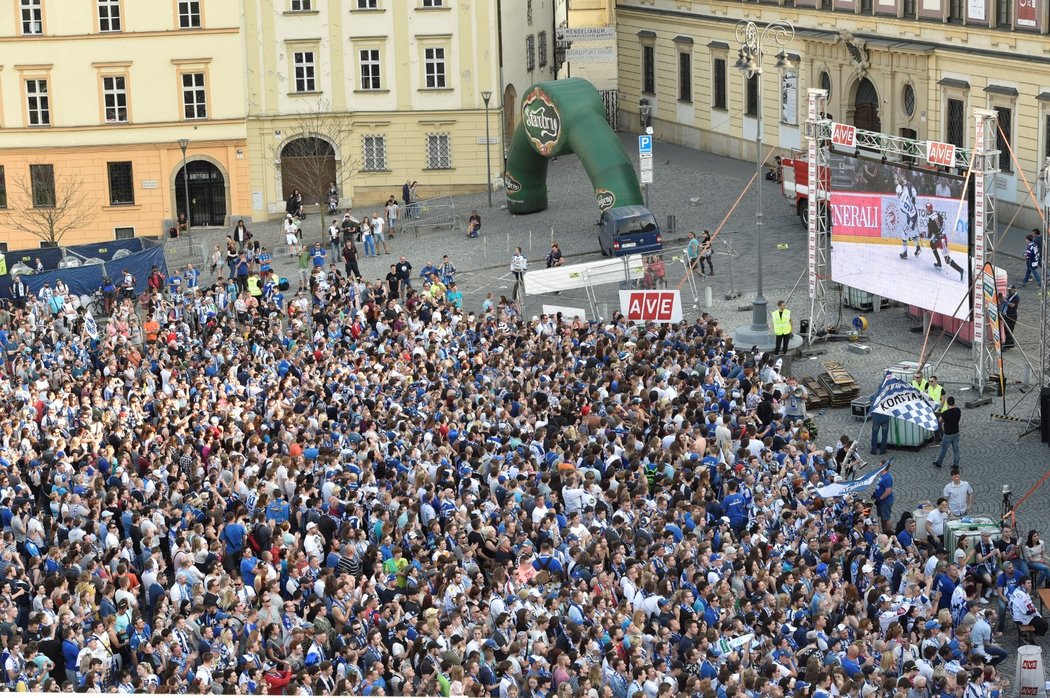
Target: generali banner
{"points": [[882, 216]]}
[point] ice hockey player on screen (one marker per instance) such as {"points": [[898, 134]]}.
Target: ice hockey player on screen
{"points": [[907, 203], [939, 239]]}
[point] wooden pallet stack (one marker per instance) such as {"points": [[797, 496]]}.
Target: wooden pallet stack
{"points": [[818, 395], [839, 383]]}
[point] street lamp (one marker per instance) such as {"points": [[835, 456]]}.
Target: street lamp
{"points": [[749, 62], [184, 143], [486, 96]]}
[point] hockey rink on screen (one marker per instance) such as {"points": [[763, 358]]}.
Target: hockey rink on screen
{"points": [[877, 267]]}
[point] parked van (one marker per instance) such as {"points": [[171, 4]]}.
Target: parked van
{"points": [[629, 230]]}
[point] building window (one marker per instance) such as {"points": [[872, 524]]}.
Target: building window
{"points": [[193, 96], [825, 82], [189, 14], [1003, 136], [374, 153], [115, 98], [528, 13], [434, 65], [42, 184], [649, 70], [121, 184], [909, 99], [32, 17], [301, 5], [303, 64], [368, 4], [955, 10], [718, 93], [1002, 13], [38, 104], [124, 233], [3, 188], [751, 95], [1046, 145], [109, 15], [909, 9], [541, 49], [530, 53], [789, 96], [370, 69], [685, 77], [955, 123], [439, 151], [433, 3]]}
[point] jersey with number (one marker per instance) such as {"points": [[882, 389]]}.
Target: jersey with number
{"points": [[906, 196]]}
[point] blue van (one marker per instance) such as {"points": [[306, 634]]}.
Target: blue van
{"points": [[629, 230]]}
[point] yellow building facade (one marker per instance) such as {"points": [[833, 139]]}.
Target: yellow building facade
{"points": [[381, 91], [914, 68], [96, 95]]}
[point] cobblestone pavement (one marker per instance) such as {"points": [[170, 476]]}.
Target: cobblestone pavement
{"points": [[993, 451]]}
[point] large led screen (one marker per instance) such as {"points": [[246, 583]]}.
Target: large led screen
{"points": [[900, 233]]}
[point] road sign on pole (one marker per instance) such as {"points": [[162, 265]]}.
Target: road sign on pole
{"points": [[645, 145]]}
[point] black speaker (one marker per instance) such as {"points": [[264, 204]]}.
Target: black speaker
{"points": [[1044, 415]]}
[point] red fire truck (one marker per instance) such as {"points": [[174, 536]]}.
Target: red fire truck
{"points": [[794, 182]]}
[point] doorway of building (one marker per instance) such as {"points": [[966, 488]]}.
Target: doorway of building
{"points": [[307, 164], [207, 194], [866, 107]]}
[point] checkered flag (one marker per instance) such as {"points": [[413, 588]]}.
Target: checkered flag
{"points": [[898, 399]]}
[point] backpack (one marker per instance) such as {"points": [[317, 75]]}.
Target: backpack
{"points": [[546, 574]]}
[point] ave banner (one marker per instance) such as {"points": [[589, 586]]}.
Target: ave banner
{"points": [[651, 306]]}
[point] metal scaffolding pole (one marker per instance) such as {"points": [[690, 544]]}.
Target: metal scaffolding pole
{"points": [[818, 132], [985, 169]]}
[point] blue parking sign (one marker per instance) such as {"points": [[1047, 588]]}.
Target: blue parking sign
{"points": [[645, 145]]}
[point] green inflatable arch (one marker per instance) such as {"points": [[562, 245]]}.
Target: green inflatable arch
{"points": [[558, 118]]}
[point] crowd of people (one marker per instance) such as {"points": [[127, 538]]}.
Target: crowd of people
{"points": [[368, 489]]}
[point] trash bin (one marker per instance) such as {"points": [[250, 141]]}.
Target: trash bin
{"points": [[1028, 675]]}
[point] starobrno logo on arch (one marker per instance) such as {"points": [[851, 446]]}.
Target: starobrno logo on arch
{"points": [[542, 121]]}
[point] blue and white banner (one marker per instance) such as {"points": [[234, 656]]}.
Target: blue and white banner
{"points": [[898, 399], [841, 489]]}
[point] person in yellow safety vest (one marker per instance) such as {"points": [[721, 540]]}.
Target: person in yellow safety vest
{"points": [[919, 382], [782, 328], [936, 392]]}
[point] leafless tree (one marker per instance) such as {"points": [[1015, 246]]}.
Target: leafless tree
{"points": [[50, 204], [308, 160]]}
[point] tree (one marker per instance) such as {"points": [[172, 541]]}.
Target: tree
{"points": [[50, 206], [316, 155]]}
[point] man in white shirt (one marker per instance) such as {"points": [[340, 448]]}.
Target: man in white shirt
{"points": [[378, 224], [935, 521], [959, 494]]}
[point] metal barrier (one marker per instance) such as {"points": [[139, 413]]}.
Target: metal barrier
{"points": [[439, 212]]}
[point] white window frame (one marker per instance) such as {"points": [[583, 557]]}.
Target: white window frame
{"points": [[434, 68], [38, 102], [304, 67], [433, 3], [32, 16], [367, 4], [197, 94], [371, 68], [115, 97], [109, 19], [439, 151], [124, 232], [190, 11], [302, 6], [373, 148]]}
